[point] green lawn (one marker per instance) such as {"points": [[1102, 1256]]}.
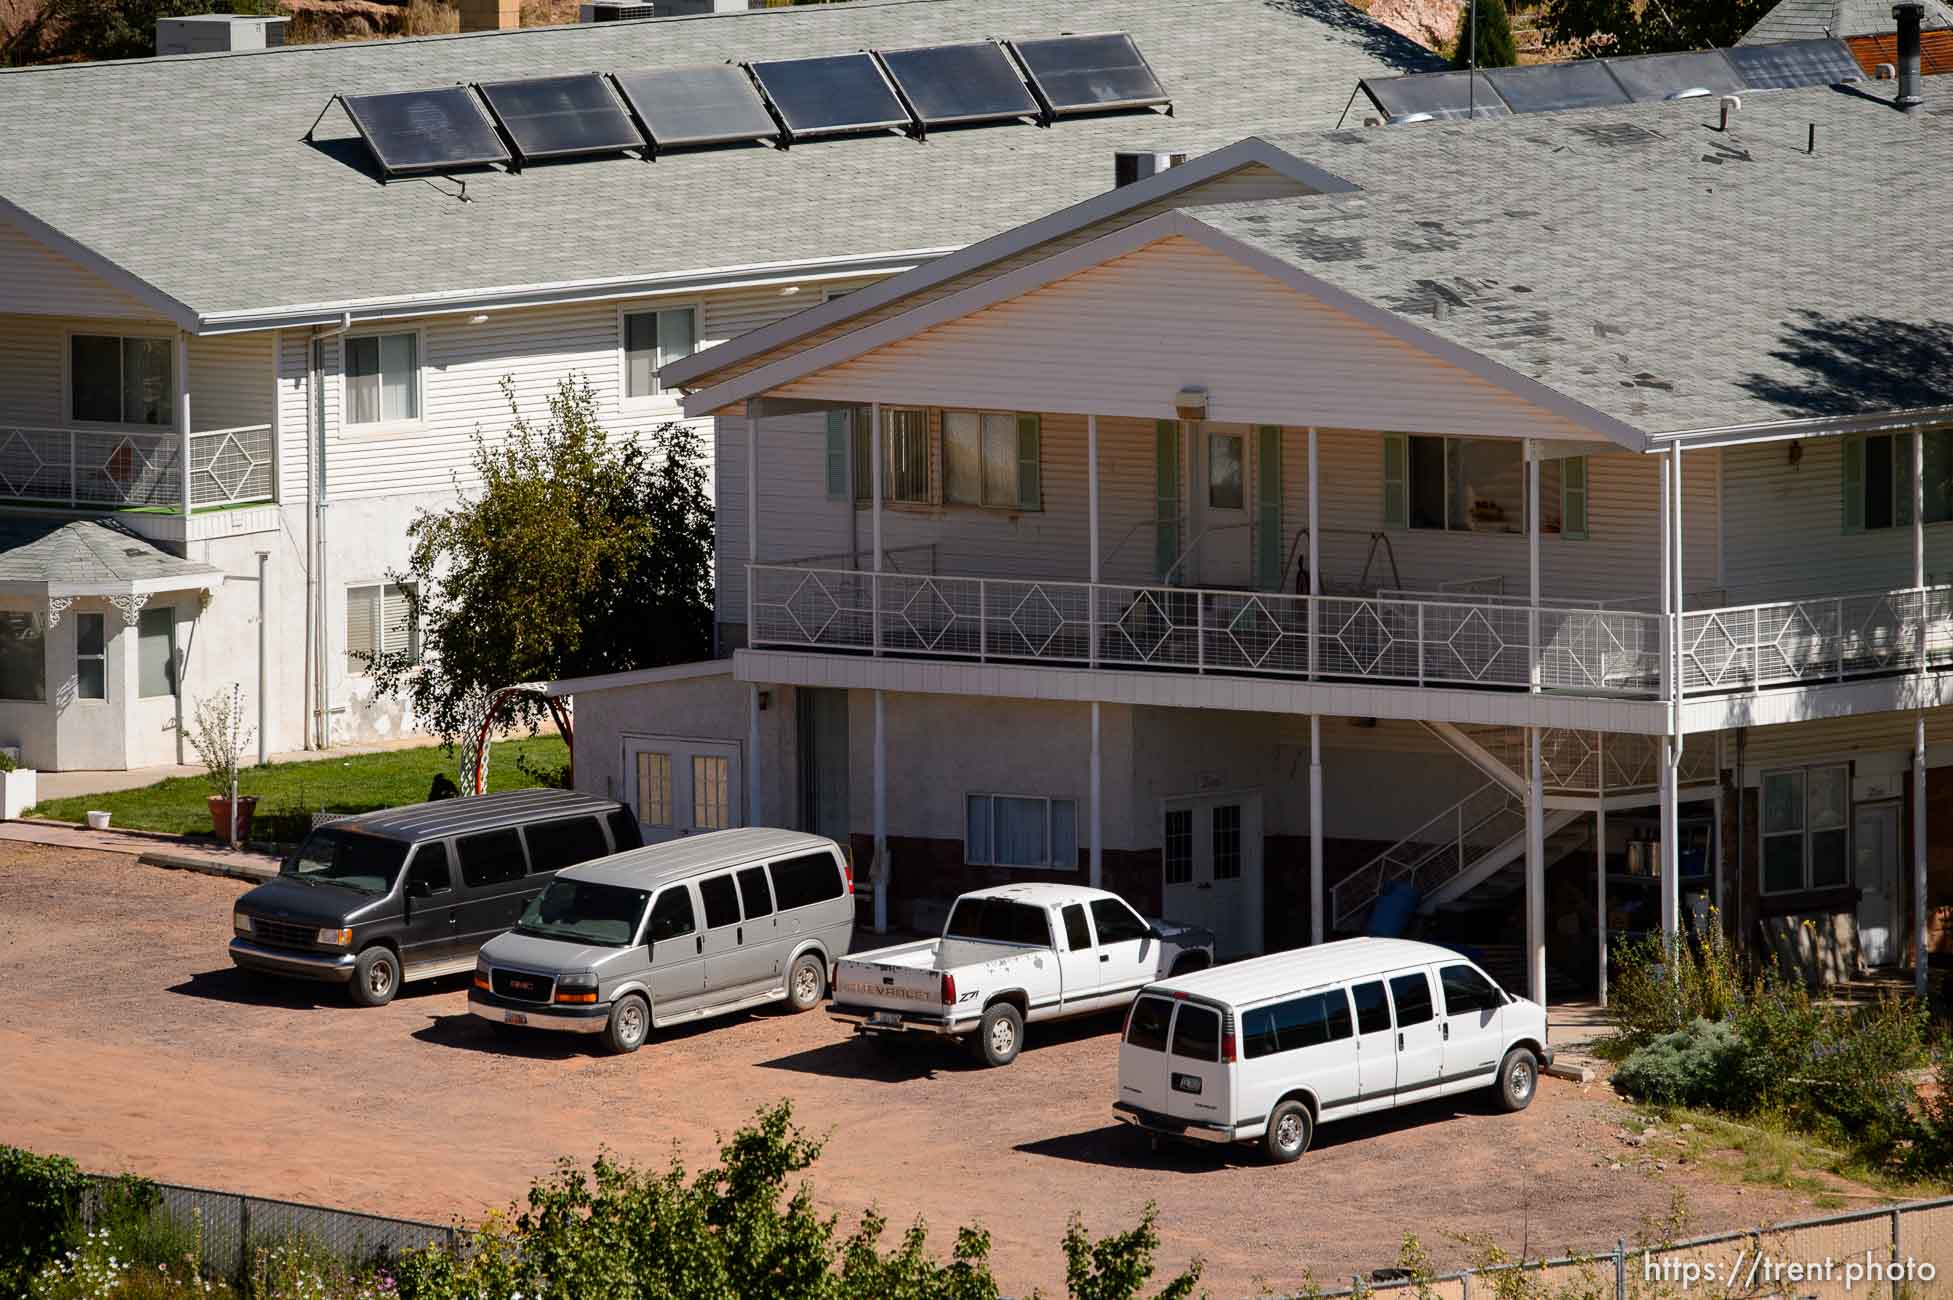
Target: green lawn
{"points": [[289, 793]]}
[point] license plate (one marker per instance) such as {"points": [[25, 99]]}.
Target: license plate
{"points": [[886, 1019], [515, 1018]]}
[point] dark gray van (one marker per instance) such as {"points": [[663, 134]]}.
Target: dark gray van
{"points": [[411, 893]]}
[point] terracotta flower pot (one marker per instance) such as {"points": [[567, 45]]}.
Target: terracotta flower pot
{"points": [[220, 816]]}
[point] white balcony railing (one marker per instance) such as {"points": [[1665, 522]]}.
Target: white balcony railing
{"points": [[1747, 647], [131, 469]]}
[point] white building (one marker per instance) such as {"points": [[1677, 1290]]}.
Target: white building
{"points": [[221, 324]]}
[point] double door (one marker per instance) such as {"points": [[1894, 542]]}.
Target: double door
{"points": [[1875, 870], [682, 787], [1212, 862]]}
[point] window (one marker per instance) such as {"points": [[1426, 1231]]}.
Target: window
{"points": [[1478, 485], [1179, 846], [711, 792], [1226, 479], [990, 458], [23, 639], [1005, 830], [999, 920], [905, 459], [1116, 922], [1412, 994], [1147, 1027], [1078, 935], [382, 379], [491, 858], [654, 788], [753, 893], [671, 915], [1806, 819], [721, 899], [156, 652], [624, 833], [1297, 1023], [653, 339], [114, 380], [1878, 480], [558, 844], [1466, 991], [380, 621], [805, 880], [1372, 1008], [1197, 1033], [1227, 841], [429, 873], [91, 656]]}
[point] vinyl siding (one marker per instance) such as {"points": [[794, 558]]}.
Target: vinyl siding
{"points": [[36, 280], [294, 415], [230, 375], [231, 381]]}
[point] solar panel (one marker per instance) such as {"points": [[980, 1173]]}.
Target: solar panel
{"points": [[1785, 65], [1084, 74], [1551, 87], [561, 117], [1649, 78], [1435, 96], [973, 82], [712, 104], [426, 130], [831, 94]]}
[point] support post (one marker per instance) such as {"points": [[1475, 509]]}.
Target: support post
{"points": [[1667, 589], [1600, 885], [1532, 559], [1097, 875], [183, 424], [1536, 868], [1318, 923], [1671, 849], [881, 807], [264, 558], [875, 459], [752, 498], [1092, 597], [1919, 899], [755, 806], [1315, 552]]}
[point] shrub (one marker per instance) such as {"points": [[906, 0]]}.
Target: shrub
{"points": [[1696, 1066], [43, 1220], [1651, 996], [1932, 1146]]}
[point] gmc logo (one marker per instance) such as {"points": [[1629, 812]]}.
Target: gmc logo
{"points": [[523, 986]]}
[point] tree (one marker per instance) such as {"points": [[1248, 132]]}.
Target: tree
{"points": [[48, 31], [1649, 26], [1492, 38], [578, 554]]}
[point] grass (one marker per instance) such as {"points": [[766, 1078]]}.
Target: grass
{"points": [[289, 793], [1764, 1152]]}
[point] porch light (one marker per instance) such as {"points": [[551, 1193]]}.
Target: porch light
{"points": [[1191, 403]]}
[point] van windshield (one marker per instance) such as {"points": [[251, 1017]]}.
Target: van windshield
{"points": [[365, 864], [582, 912]]}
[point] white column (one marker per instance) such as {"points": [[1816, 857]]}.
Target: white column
{"points": [[1919, 899], [1098, 806], [1315, 550], [183, 426], [881, 813], [875, 480], [1318, 923], [755, 806], [1679, 610], [1667, 588], [1671, 849], [1092, 596], [1532, 556], [1671, 844], [1536, 869], [752, 491], [1600, 885]]}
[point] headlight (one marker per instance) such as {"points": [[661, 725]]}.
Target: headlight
{"points": [[240, 923], [481, 974], [584, 981], [336, 938], [577, 988]]}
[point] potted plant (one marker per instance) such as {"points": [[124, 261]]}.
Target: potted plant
{"points": [[17, 786], [219, 737]]}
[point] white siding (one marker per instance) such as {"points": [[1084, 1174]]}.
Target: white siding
{"points": [[36, 280], [231, 381], [230, 375], [294, 414]]}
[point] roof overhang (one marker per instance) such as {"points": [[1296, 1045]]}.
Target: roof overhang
{"points": [[640, 677], [1815, 426], [199, 581], [113, 273]]}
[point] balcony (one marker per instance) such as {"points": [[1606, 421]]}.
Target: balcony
{"points": [[135, 470]]}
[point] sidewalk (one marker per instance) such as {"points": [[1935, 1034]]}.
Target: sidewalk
{"points": [[148, 848], [67, 785]]}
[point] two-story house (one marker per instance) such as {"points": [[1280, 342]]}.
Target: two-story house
{"points": [[241, 345], [1543, 521]]}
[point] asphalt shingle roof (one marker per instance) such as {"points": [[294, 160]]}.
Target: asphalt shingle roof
{"points": [[191, 172], [87, 553], [1796, 20]]}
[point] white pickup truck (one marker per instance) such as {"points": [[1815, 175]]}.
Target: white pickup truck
{"points": [[1010, 955]]}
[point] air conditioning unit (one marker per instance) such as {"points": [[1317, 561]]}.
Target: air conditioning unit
{"points": [[1130, 165], [610, 11], [217, 34]]}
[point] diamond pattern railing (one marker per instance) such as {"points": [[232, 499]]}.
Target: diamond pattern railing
{"points": [[1830, 638], [229, 466], [134, 469]]}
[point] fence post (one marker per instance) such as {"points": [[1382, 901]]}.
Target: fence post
{"points": [[1898, 1287], [1420, 643], [983, 620], [1465, 1285], [1092, 622], [1838, 617], [1200, 631], [1620, 1268], [243, 1243], [74, 485]]}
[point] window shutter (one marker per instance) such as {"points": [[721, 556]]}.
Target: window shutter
{"points": [[837, 455], [1030, 490], [1268, 507], [362, 626], [1396, 481], [397, 624], [1573, 498], [1854, 483], [1166, 510]]}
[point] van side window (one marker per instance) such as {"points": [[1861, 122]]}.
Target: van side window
{"points": [[1197, 1033], [671, 915], [491, 858], [428, 873], [1466, 991], [752, 892], [1116, 921], [1412, 994], [1077, 936], [1372, 1008], [1297, 1023], [624, 830], [558, 844], [805, 880], [1147, 1027], [721, 901]]}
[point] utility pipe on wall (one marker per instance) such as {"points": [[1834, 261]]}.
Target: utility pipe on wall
{"points": [[1920, 901], [264, 694]]}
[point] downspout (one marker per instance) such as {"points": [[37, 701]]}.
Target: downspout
{"points": [[320, 657]]}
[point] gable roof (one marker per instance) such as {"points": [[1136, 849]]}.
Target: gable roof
{"points": [[1796, 20], [188, 179], [89, 557]]}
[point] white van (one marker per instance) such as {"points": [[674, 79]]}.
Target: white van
{"points": [[1267, 1049]]}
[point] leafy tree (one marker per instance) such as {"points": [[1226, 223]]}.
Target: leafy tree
{"points": [[1492, 38], [1649, 26], [47, 31], [578, 554]]}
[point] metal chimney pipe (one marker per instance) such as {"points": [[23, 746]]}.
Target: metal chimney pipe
{"points": [[1910, 15]]}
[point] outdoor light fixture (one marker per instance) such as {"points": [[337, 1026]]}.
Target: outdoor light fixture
{"points": [[479, 318], [1191, 403], [1796, 453]]}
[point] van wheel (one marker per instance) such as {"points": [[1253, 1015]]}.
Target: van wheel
{"points": [[806, 982], [376, 977], [1518, 1079], [1000, 1033], [1289, 1131], [630, 1021]]}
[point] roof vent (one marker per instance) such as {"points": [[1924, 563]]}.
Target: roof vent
{"points": [[1130, 165], [610, 11], [1910, 14], [217, 34]]}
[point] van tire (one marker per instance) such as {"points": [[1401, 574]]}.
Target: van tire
{"points": [[806, 982], [1000, 1034], [628, 1026], [1290, 1130], [1518, 1079], [376, 977]]}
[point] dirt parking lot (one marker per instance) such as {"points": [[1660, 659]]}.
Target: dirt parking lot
{"points": [[128, 1042]]}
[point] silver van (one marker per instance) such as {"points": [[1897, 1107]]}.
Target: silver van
{"points": [[676, 931]]}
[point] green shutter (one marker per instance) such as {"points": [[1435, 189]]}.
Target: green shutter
{"points": [[1396, 480], [1854, 483], [837, 454], [1030, 490], [1268, 508], [1573, 498], [1166, 514]]}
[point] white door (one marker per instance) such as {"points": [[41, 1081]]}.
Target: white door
{"points": [[1078, 960], [1225, 554], [681, 787], [1473, 1028], [1875, 853], [1212, 863]]}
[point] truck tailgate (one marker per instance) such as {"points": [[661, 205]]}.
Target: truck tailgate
{"points": [[891, 979]]}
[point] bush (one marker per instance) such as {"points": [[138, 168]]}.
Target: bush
{"points": [[1932, 1146], [43, 1220], [1696, 1066], [1650, 996]]}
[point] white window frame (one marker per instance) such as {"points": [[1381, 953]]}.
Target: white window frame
{"points": [[108, 687], [1803, 832], [118, 332], [989, 860], [369, 428], [660, 396], [379, 626]]}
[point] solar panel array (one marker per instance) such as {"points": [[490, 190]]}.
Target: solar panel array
{"points": [[783, 101], [1599, 83]]}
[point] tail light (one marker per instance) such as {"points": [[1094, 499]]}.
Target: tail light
{"points": [[1227, 1047], [949, 989], [847, 872]]}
